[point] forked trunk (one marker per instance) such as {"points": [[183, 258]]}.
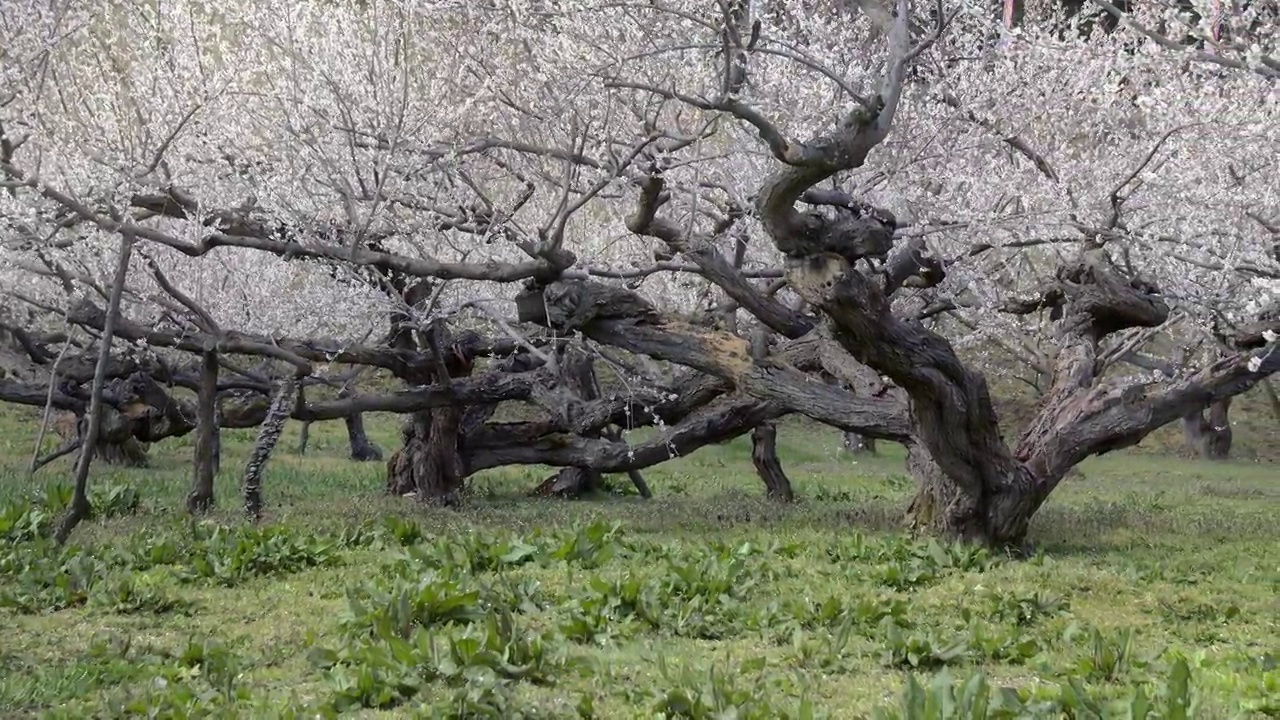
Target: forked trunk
{"points": [[945, 508], [764, 455], [429, 465]]}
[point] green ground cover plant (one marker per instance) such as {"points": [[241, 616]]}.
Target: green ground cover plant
{"points": [[1152, 593]]}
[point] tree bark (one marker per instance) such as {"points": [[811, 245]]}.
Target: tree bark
{"points": [[80, 508], [362, 448], [1218, 441], [576, 386], [859, 444], [1210, 438], [200, 499], [128, 453], [121, 451], [429, 465], [570, 482], [764, 455], [268, 436]]}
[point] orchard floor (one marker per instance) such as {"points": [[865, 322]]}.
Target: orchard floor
{"points": [[706, 602]]}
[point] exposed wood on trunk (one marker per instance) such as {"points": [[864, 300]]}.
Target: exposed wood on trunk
{"points": [[617, 317]]}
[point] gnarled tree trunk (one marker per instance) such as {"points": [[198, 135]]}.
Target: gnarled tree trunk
{"points": [[429, 465], [764, 455], [1210, 438], [577, 386], [125, 452], [577, 383]]}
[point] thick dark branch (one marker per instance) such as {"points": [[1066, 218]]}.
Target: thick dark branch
{"points": [[620, 319], [713, 264], [399, 362], [954, 412], [1110, 418], [726, 419]]}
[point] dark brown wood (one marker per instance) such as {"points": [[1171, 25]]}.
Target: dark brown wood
{"points": [[1210, 438], [362, 448], [764, 455], [429, 465], [201, 498], [79, 508], [576, 383]]}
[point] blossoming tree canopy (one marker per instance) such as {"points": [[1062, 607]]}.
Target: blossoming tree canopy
{"points": [[710, 205]]}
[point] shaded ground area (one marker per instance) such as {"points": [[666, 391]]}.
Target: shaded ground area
{"points": [[705, 599]]}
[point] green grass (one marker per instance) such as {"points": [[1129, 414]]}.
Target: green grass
{"points": [[705, 602]]}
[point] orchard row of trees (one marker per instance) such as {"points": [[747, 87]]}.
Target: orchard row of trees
{"points": [[553, 224]]}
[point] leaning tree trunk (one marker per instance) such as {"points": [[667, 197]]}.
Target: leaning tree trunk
{"points": [[80, 508], [268, 435], [764, 454], [200, 499]]}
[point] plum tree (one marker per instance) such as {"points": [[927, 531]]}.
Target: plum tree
{"points": [[697, 216]]}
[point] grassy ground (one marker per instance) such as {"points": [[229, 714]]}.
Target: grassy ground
{"points": [[706, 602]]}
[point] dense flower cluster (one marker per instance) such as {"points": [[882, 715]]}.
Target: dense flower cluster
{"points": [[460, 132]]}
